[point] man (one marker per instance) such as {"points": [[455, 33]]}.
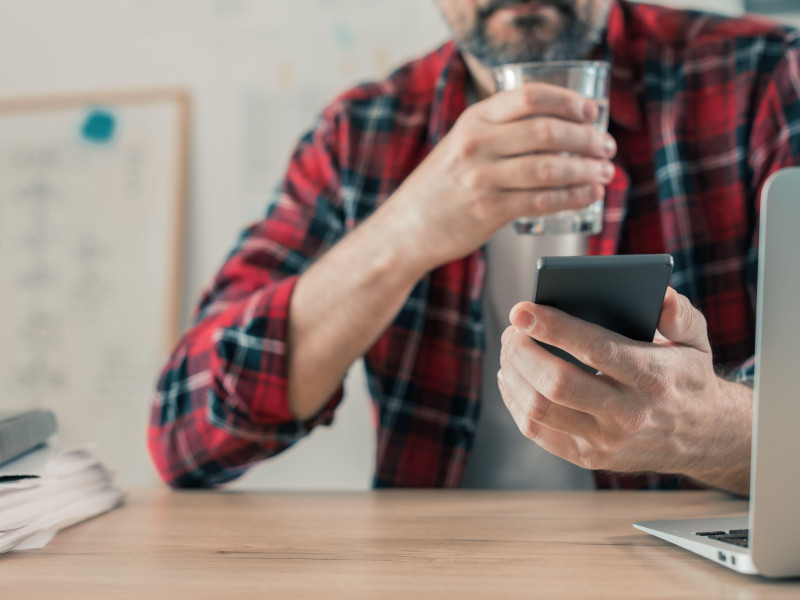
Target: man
{"points": [[374, 246]]}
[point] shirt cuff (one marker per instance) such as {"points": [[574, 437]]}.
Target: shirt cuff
{"points": [[250, 395]]}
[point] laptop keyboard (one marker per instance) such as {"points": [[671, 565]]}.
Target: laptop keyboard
{"points": [[737, 537]]}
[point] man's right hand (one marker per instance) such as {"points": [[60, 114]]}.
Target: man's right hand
{"points": [[498, 164]]}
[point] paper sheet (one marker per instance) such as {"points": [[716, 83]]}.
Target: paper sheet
{"points": [[36, 543]]}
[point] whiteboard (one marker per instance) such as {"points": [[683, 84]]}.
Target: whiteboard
{"points": [[91, 210]]}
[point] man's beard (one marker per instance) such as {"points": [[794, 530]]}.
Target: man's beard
{"points": [[575, 40]]}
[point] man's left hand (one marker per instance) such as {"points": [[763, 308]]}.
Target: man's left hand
{"points": [[653, 407]]}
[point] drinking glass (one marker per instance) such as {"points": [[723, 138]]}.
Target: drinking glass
{"points": [[590, 79]]}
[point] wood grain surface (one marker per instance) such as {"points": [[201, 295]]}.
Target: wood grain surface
{"points": [[387, 544]]}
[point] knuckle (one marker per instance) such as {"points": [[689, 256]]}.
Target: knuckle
{"points": [[544, 201], [512, 348], [655, 381], [558, 385], [546, 170], [476, 179], [634, 421], [607, 444], [695, 317], [468, 118], [685, 308], [549, 330], [687, 313], [584, 195], [631, 419], [592, 459], [599, 352], [546, 131], [538, 407], [575, 197], [528, 428], [530, 99], [483, 207], [468, 145], [701, 319]]}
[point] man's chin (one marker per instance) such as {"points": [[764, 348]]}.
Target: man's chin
{"points": [[523, 31], [526, 42], [516, 53]]}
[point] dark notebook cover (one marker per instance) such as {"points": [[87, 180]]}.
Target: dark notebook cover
{"points": [[23, 431]]}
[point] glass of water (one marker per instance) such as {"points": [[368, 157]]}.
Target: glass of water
{"points": [[589, 78]]}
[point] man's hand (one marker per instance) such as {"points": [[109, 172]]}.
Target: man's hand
{"points": [[653, 407], [497, 164]]}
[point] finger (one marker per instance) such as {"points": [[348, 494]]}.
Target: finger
{"points": [[540, 171], [545, 134], [536, 99], [607, 351], [682, 323], [538, 408], [524, 203], [555, 442], [561, 382]]}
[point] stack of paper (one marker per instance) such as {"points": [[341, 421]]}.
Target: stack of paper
{"points": [[37, 502]]}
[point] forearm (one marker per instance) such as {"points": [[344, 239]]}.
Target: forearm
{"points": [[343, 303], [725, 460]]}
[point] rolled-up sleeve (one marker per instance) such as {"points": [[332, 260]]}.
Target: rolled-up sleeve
{"points": [[221, 402]]}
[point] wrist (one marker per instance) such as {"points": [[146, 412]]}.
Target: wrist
{"points": [[403, 246], [723, 458]]}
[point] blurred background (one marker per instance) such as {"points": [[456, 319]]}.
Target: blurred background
{"points": [[222, 86]]}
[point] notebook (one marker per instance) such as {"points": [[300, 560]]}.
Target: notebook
{"points": [[23, 431]]}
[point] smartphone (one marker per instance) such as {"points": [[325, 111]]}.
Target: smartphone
{"points": [[621, 293]]}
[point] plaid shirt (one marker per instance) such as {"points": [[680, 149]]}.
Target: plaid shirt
{"points": [[704, 109]]}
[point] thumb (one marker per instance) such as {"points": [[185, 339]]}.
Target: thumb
{"points": [[521, 315], [682, 323]]}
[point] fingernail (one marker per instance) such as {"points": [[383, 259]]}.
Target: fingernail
{"points": [[525, 320], [607, 171], [500, 381], [609, 146]]}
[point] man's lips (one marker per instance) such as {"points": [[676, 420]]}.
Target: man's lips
{"points": [[523, 9]]}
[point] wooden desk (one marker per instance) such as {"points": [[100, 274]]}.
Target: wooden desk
{"points": [[398, 544]]}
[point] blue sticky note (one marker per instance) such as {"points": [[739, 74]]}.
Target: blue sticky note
{"points": [[99, 126]]}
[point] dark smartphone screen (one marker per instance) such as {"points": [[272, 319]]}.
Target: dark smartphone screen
{"points": [[621, 293]]}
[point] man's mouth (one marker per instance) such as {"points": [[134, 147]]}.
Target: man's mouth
{"points": [[521, 8], [529, 8]]}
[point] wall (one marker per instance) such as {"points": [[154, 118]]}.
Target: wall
{"points": [[257, 71]]}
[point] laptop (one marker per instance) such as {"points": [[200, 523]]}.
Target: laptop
{"points": [[767, 540]]}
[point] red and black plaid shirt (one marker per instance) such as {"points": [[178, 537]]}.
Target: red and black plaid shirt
{"points": [[704, 109]]}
